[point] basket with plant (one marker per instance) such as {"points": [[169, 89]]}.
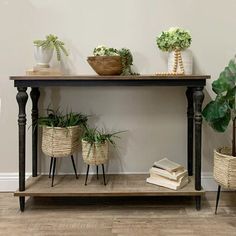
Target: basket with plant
{"points": [[61, 133], [176, 41], [220, 113], [95, 145]]}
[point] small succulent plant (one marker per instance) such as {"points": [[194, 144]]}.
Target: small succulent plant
{"points": [[52, 41]]}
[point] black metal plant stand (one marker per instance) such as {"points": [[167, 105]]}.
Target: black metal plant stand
{"points": [[217, 198], [103, 173], [53, 168]]}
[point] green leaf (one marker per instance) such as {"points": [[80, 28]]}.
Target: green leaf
{"points": [[215, 110], [226, 80], [220, 125]]}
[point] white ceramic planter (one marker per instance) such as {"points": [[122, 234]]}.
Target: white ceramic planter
{"points": [[187, 58], [43, 56]]}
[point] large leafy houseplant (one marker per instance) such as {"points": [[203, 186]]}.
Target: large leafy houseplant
{"points": [[219, 112]]}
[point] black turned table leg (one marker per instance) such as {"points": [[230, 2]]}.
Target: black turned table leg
{"points": [[190, 116], [34, 94], [198, 97], [22, 98]]}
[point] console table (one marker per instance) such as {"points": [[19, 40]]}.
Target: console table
{"points": [[135, 185]]}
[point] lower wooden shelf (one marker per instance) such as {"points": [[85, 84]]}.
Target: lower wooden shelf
{"points": [[117, 185]]}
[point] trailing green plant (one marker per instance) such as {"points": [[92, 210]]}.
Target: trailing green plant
{"points": [[124, 53], [174, 39], [93, 135], [52, 42], [57, 119], [219, 112]]}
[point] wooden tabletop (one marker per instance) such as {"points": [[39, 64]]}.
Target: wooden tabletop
{"points": [[94, 80], [114, 77]]}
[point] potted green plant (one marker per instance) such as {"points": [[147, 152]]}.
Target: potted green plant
{"points": [[176, 41], [219, 113], [95, 145], [111, 61], [61, 135], [44, 50]]}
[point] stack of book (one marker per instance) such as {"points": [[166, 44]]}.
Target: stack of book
{"points": [[168, 174]]}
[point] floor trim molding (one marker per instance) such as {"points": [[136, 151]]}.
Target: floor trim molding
{"points": [[9, 181]]}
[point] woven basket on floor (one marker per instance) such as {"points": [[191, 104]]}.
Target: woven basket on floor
{"points": [[94, 154], [225, 168], [60, 142]]}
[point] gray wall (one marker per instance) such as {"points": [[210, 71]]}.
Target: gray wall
{"points": [[155, 118]]}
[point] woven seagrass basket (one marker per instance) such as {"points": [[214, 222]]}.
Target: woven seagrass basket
{"points": [[60, 142], [94, 154], [225, 168]]}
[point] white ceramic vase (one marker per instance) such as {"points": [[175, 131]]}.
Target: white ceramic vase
{"points": [[187, 59], [43, 56]]}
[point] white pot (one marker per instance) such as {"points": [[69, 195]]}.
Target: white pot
{"points": [[43, 56], [187, 58]]}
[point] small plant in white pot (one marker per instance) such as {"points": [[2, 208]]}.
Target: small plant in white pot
{"points": [[95, 145], [219, 113], [176, 41], [43, 50]]}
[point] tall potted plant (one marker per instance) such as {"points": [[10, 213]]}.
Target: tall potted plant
{"points": [[176, 41], [61, 136], [43, 50], [219, 113]]}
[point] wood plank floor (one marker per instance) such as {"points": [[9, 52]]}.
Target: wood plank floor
{"points": [[117, 185], [118, 216]]}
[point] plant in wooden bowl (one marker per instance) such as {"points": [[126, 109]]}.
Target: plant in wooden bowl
{"points": [[218, 113], [44, 50], [111, 61], [61, 135], [95, 148]]}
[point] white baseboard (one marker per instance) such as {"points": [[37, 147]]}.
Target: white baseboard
{"points": [[9, 181]]}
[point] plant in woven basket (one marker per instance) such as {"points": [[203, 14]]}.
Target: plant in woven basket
{"points": [[175, 40], [219, 112], [52, 42], [124, 53], [61, 132], [95, 145]]}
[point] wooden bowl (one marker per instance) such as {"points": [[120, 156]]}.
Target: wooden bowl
{"points": [[106, 65]]}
